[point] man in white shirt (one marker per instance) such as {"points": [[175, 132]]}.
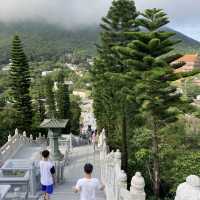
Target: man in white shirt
{"points": [[47, 172], [88, 186]]}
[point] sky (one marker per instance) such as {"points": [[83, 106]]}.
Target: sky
{"points": [[184, 14]]}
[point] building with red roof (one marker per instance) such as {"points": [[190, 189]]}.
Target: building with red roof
{"points": [[191, 61]]}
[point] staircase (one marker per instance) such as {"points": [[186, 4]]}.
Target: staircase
{"points": [[74, 171]]}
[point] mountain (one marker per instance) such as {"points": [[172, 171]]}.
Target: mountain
{"points": [[188, 45], [44, 41]]}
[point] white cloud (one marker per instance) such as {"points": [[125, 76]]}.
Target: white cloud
{"points": [[66, 12], [184, 14]]}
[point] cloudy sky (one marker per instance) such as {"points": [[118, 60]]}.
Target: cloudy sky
{"points": [[184, 14]]}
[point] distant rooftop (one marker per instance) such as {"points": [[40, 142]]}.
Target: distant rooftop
{"points": [[188, 58], [54, 123], [191, 61]]}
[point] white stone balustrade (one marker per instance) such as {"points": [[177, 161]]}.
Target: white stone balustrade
{"points": [[189, 190], [15, 142], [28, 180], [115, 179], [7, 150]]}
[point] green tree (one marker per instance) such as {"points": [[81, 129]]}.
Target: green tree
{"points": [[50, 98], [63, 100], [75, 115], [160, 103], [63, 104], [38, 103], [20, 84], [8, 116], [111, 113]]}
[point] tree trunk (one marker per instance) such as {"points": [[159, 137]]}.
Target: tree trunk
{"points": [[156, 164], [124, 144]]}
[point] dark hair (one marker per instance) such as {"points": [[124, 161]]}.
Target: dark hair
{"points": [[45, 153], [88, 168]]}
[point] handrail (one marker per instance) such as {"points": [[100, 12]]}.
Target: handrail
{"points": [[115, 179], [15, 142]]}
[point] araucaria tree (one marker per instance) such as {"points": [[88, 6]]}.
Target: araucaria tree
{"points": [[108, 70], [160, 103], [50, 98], [20, 84], [62, 98], [38, 102]]}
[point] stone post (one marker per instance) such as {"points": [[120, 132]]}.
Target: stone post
{"points": [[122, 180], [33, 181], [118, 172], [70, 142], [31, 137], [59, 166], [54, 146], [137, 187], [24, 134], [100, 146], [118, 161], [9, 138], [121, 183], [24, 138], [16, 132], [189, 190]]}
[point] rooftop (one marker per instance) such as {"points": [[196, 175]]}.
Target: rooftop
{"points": [[54, 123], [188, 58]]}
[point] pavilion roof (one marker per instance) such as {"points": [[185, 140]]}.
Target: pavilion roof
{"points": [[54, 123]]}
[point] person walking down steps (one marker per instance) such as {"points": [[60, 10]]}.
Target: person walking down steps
{"points": [[47, 171], [87, 186]]}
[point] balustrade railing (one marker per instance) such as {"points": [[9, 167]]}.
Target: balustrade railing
{"points": [[4, 190], [15, 142], [115, 179], [23, 176]]}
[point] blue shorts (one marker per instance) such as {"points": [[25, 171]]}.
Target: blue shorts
{"points": [[47, 188]]}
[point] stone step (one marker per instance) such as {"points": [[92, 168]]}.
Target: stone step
{"points": [[74, 171]]}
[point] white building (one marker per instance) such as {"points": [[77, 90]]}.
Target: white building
{"points": [[45, 73]]}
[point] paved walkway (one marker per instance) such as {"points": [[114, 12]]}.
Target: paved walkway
{"points": [[31, 152], [74, 171]]}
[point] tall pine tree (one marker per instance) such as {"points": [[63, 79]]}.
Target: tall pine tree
{"points": [[109, 111], [38, 102], [50, 98], [20, 84], [63, 100], [159, 101]]}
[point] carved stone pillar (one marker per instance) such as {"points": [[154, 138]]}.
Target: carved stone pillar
{"points": [[189, 190], [9, 138], [137, 187], [54, 146]]}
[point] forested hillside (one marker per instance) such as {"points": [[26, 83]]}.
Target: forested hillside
{"points": [[44, 41]]}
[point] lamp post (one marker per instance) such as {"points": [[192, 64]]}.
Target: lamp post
{"points": [[54, 127]]}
